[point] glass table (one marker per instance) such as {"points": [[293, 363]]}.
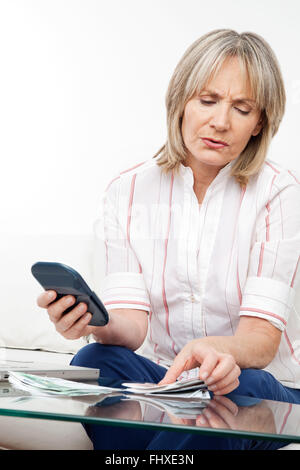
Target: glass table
{"points": [[233, 415]]}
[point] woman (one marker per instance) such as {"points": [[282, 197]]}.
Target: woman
{"points": [[202, 245]]}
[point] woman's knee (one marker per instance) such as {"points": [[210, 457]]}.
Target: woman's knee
{"points": [[256, 383], [97, 355]]}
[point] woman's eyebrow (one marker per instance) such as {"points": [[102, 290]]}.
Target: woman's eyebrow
{"points": [[216, 95]]}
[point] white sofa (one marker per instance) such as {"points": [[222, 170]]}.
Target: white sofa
{"points": [[41, 434], [27, 333]]}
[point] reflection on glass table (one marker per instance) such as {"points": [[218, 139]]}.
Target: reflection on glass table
{"points": [[235, 416]]}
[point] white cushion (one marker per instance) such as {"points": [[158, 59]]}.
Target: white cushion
{"points": [[41, 434], [13, 354], [34, 434], [23, 323]]}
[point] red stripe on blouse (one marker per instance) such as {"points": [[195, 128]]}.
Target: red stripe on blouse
{"points": [[238, 285], [243, 309], [122, 173], [130, 207], [291, 347], [130, 211], [261, 256], [297, 181], [268, 209], [153, 264], [273, 168], [237, 268], [286, 417], [109, 302], [165, 260], [267, 228], [132, 168], [111, 182]]}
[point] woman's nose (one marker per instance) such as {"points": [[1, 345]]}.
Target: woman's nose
{"points": [[220, 118]]}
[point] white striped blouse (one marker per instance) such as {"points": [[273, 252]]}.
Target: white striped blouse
{"points": [[197, 269]]}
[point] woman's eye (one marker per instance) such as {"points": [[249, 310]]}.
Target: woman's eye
{"points": [[242, 112], [209, 102], [206, 101]]}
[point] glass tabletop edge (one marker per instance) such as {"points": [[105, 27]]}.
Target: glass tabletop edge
{"points": [[149, 425]]}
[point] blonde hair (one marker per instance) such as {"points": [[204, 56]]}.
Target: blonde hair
{"points": [[199, 63]]}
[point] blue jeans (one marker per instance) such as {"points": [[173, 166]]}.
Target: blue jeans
{"points": [[118, 362]]}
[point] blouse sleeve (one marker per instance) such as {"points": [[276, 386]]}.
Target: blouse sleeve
{"points": [[123, 284], [273, 274]]}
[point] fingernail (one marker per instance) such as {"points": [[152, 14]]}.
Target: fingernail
{"points": [[207, 413], [209, 381], [204, 375], [212, 387], [217, 398], [202, 420]]}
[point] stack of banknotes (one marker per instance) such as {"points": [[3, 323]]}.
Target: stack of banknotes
{"points": [[36, 384]]}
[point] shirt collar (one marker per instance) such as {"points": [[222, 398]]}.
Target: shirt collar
{"points": [[187, 173]]}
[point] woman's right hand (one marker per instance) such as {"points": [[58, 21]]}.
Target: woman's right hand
{"points": [[126, 327], [71, 325]]}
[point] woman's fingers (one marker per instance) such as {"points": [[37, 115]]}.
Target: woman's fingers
{"points": [[210, 419], [220, 412], [214, 420], [194, 354], [180, 364], [208, 364], [226, 365], [71, 325], [218, 370], [201, 421], [80, 328], [224, 405], [229, 388], [46, 298], [69, 319], [230, 378], [56, 309]]}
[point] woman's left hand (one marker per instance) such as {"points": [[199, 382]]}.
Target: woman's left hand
{"points": [[219, 370]]}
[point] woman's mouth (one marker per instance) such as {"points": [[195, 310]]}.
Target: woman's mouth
{"points": [[214, 144]]}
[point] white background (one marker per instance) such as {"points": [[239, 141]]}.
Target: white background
{"points": [[82, 88]]}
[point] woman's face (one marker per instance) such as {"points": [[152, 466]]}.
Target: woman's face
{"points": [[223, 111]]}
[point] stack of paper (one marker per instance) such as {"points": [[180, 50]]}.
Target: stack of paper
{"points": [[40, 385], [184, 399], [195, 388], [177, 407], [192, 390]]}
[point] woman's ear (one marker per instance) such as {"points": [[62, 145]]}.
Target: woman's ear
{"points": [[258, 126]]}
